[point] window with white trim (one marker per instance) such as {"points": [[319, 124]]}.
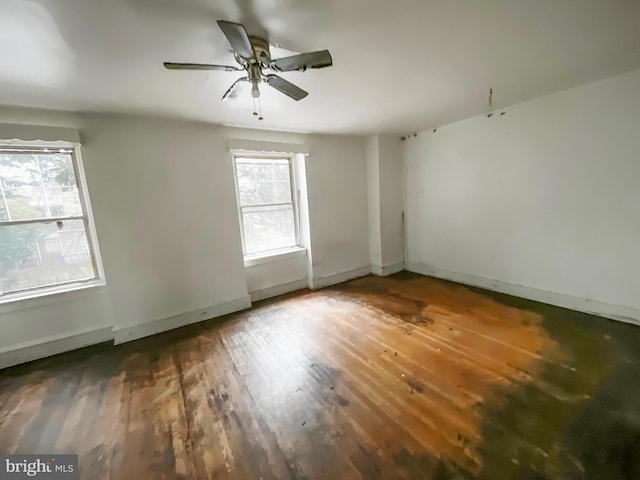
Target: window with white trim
{"points": [[266, 203], [45, 238]]}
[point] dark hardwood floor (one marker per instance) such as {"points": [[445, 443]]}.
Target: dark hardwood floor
{"points": [[397, 377]]}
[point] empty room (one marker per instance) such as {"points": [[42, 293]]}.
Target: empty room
{"points": [[303, 239]]}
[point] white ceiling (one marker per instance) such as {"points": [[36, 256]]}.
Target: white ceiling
{"points": [[399, 66]]}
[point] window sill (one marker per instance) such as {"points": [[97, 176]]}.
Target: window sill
{"points": [[273, 256], [46, 296]]}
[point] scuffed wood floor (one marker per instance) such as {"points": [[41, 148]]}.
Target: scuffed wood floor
{"points": [[397, 377]]}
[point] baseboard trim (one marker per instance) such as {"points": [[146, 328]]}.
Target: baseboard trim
{"points": [[276, 290], [384, 270], [621, 313], [53, 345], [122, 334], [333, 279]]}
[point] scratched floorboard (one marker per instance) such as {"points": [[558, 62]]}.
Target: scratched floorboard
{"points": [[378, 378]]}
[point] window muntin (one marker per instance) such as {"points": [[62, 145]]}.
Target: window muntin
{"points": [[266, 204], [44, 239]]}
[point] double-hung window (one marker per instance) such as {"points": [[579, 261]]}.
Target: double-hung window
{"points": [[45, 234], [266, 203]]}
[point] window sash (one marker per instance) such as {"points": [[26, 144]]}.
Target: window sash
{"points": [[84, 204], [264, 205], [4, 223], [242, 208]]}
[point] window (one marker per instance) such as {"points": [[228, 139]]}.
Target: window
{"points": [[44, 230], [266, 204]]}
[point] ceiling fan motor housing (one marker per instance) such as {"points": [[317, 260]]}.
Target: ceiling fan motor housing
{"points": [[261, 47]]}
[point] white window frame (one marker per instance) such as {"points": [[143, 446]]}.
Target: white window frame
{"points": [[250, 258], [87, 217]]}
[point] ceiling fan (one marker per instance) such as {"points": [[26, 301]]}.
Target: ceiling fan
{"points": [[253, 56]]}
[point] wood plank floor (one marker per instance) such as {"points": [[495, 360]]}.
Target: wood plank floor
{"points": [[382, 378]]}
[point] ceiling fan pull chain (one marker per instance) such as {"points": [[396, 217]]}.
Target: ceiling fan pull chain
{"points": [[260, 110], [254, 106]]}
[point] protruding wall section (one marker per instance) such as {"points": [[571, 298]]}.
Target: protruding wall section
{"points": [[373, 197], [384, 183], [300, 169]]}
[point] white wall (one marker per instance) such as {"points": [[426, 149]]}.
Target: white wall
{"points": [[543, 202], [164, 204], [337, 187], [165, 210], [274, 278]]}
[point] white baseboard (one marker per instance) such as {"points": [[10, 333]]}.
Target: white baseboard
{"points": [[622, 313], [53, 345], [124, 334], [384, 270], [278, 290], [333, 279]]}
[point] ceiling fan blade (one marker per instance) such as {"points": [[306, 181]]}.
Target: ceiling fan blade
{"points": [[319, 59], [238, 38], [286, 87], [199, 66], [230, 93]]}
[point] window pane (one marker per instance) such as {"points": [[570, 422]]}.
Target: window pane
{"points": [[41, 185], [282, 192], [63, 201], [26, 203], [3, 212], [42, 254], [19, 170], [268, 228], [56, 169], [263, 181], [244, 170]]}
